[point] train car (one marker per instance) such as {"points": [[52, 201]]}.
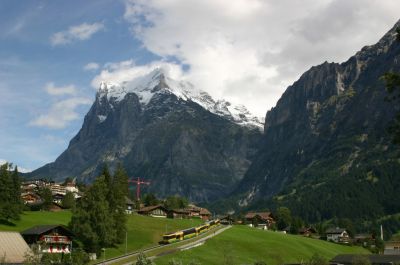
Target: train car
{"points": [[173, 237], [213, 223], [202, 228], [189, 233]]}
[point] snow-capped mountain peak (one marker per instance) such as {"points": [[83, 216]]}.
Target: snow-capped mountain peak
{"points": [[157, 82]]}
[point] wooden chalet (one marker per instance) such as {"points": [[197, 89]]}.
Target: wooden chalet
{"points": [[30, 198], [307, 231], [338, 235], [180, 213], [192, 212], [260, 219], [155, 211], [205, 214], [49, 238]]}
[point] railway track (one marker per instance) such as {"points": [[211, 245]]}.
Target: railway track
{"points": [[179, 246]]}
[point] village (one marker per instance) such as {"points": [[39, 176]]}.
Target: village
{"points": [[58, 239]]}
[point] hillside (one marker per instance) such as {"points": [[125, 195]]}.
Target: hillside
{"points": [[143, 231], [326, 151], [247, 245]]}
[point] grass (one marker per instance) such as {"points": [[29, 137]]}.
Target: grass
{"points": [[146, 231], [29, 219], [246, 245], [143, 231]]}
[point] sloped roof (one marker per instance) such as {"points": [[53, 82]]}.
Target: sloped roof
{"points": [[204, 211], [13, 247], [336, 230], [128, 201], [181, 211], [41, 229], [151, 208], [263, 215]]}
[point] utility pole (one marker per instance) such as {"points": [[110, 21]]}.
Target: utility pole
{"points": [[126, 242], [138, 182]]}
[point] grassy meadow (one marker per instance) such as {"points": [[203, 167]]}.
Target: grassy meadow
{"points": [[29, 219], [143, 231], [246, 245]]}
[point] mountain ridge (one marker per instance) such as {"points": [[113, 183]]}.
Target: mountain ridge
{"points": [[161, 135], [328, 126]]}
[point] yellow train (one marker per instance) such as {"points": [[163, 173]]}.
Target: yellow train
{"points": [[189, 233]]}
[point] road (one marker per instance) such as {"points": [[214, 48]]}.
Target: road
{"points": [[179, 247]]}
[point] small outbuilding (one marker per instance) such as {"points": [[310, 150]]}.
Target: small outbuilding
{"points": [[307, 231], [155, 211]]}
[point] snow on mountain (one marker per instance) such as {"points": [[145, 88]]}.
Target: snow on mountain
{"points": [[156, 82]]}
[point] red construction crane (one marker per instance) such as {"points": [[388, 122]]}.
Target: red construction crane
{"points": [[138, 182]]}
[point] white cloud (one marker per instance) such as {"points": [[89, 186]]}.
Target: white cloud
{"points": [[20, 169], [249, 51], [80, 32], [61, 113], [127, 70], [63, 90], [91, 66]]}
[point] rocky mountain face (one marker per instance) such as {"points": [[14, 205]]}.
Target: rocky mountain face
{"points": [[166, 132], [326, 145]]}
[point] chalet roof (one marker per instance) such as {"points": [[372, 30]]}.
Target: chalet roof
{"points": [[307, 229], [41, 229], [181, 211], [263, 215], [204, 211], [13, 247], [151, 208], [335, 230], [374, 259], [128, 201]]}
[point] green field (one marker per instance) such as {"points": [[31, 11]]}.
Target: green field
{"points": [[143, 231], [246, 245], [29, 219], [146, 231]]}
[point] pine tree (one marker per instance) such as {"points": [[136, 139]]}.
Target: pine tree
{"points": [[119, 191], [47, 198], [91, 220], [10, 194], [68, 201]]}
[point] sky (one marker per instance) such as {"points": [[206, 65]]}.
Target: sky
{"points": [[54, 54]]}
